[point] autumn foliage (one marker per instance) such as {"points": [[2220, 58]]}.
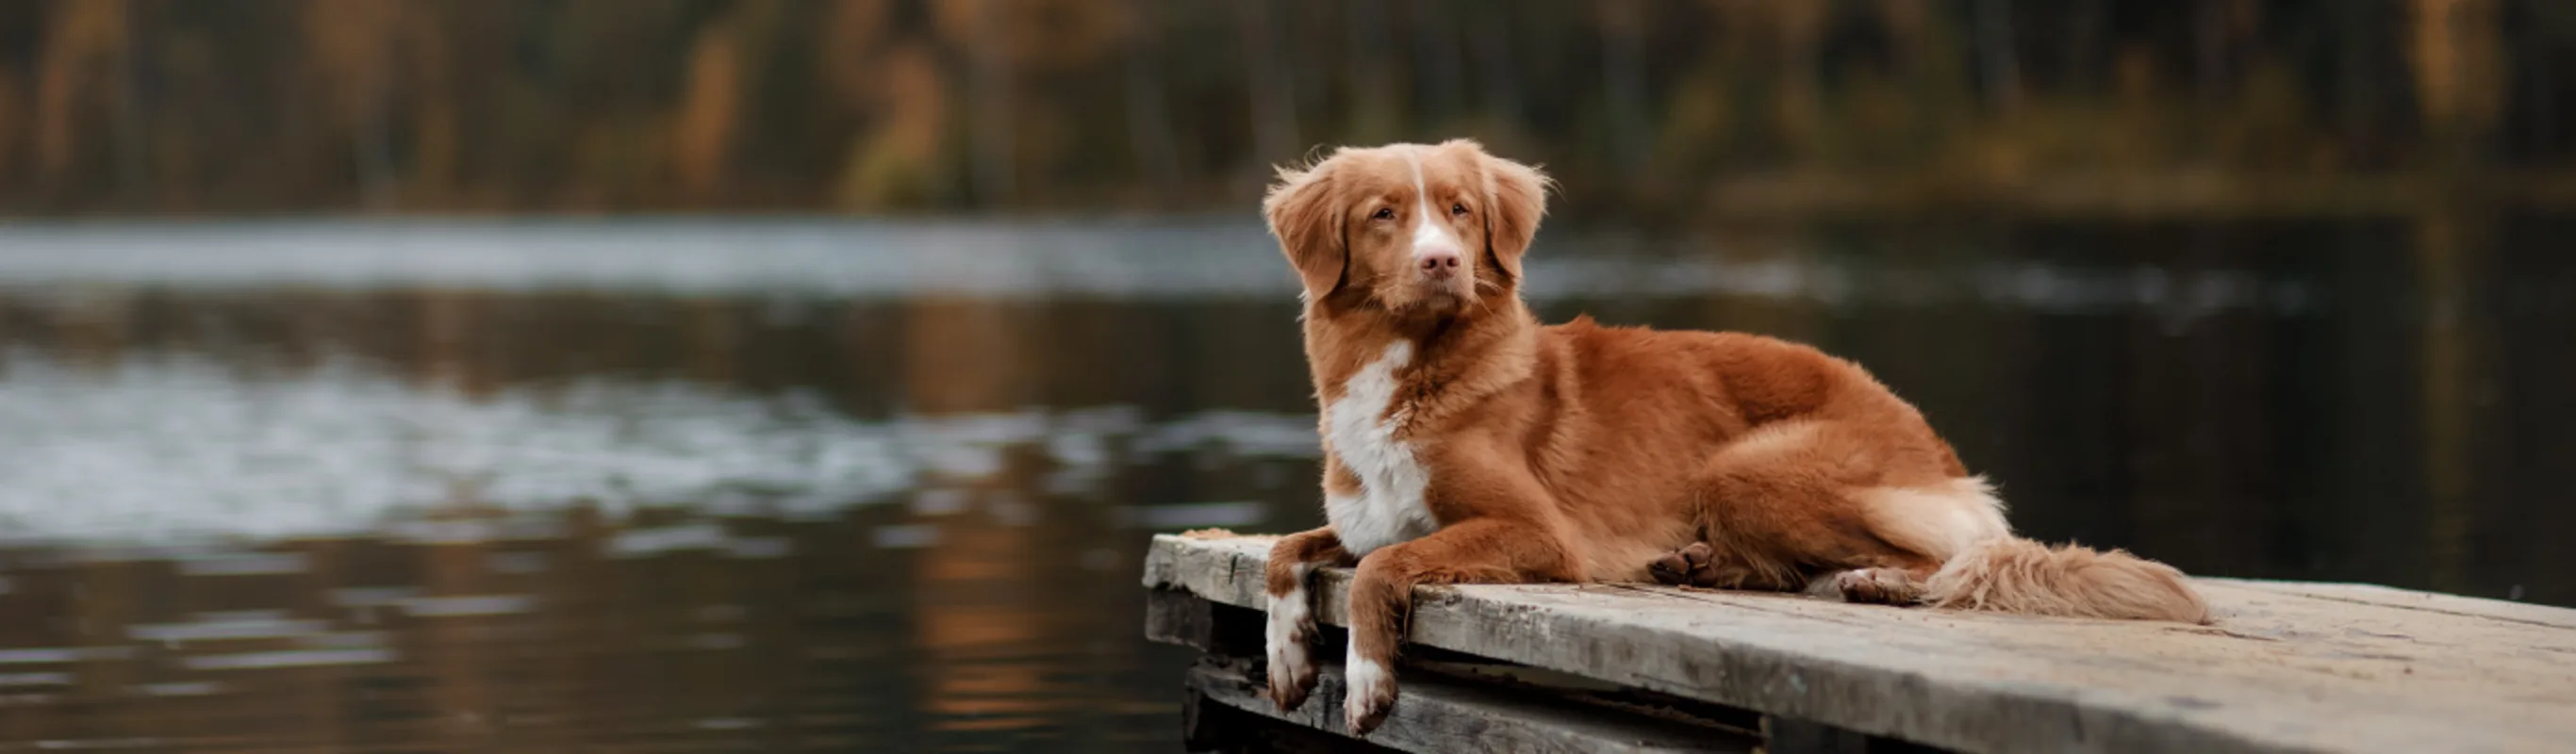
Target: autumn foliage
{"points": [[878, 106]]}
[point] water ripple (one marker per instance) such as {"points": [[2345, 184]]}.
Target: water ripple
{"points": [[162, 450]]}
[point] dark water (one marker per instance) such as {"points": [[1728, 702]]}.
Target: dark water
{"points": [[773, 486]]}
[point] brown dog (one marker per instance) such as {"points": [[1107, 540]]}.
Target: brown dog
{"points": [[1467, 443]]}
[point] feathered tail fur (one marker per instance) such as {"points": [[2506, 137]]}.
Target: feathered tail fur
{"points": [[2017, 575], [1985, 567]]}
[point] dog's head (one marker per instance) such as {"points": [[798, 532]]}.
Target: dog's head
{"points": [[1410, 228]]}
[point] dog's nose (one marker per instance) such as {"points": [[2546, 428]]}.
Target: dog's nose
{"points": [[1436, 263]]}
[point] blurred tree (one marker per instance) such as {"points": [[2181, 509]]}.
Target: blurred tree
{"points": [[1649, 106], [2458, 73], [702, 132], [84, 48]]}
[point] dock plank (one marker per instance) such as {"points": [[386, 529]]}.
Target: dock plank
{"points": [[2283, 669], [1444, 715], [2374, 594]]}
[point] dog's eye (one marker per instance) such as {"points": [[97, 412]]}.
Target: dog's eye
{"points": [[1383, 213], [1458, 209]]}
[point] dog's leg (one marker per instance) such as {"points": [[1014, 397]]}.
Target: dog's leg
{"points": [[1792, 499], [1290, 638], [1476, 551]]}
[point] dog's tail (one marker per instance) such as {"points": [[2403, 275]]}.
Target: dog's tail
{"points": [[1985, 567], [2012, 574]]}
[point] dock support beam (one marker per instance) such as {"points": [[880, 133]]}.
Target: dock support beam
{"points": [[1452, 702]]}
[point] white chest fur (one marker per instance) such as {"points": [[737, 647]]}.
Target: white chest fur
{"points": [[1359, 430]]}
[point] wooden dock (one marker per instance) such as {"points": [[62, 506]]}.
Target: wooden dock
{"points": [[1612, 667]]}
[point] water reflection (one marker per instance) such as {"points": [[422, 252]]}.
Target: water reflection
{"points": [[580, 559], [786, 485], [343, 449]]}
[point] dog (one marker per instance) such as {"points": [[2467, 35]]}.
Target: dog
{"points": [[1466, 443]]}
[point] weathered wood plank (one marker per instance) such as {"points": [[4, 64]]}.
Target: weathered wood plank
{"points": [[2374, 594], [1173, 616], [1208, 725], [1781, 735], [1443, 715], [2281, 670]]}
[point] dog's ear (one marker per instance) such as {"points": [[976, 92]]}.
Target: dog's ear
{"points": [[1517, 196], [1308, 222]]}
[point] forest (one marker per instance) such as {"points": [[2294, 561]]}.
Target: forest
{"points": [[1644, 108]]}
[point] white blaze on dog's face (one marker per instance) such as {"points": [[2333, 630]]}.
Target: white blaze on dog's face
{"points": [[1408, 227]]}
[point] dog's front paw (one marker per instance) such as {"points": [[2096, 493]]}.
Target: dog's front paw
{"points": [[1368, 694], [1288, 642]]}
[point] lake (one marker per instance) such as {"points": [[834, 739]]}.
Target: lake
{"points": [[736, 484]]}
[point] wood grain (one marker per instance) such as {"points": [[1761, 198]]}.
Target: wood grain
{"points": [[1444, 715], [2285, 668]]}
